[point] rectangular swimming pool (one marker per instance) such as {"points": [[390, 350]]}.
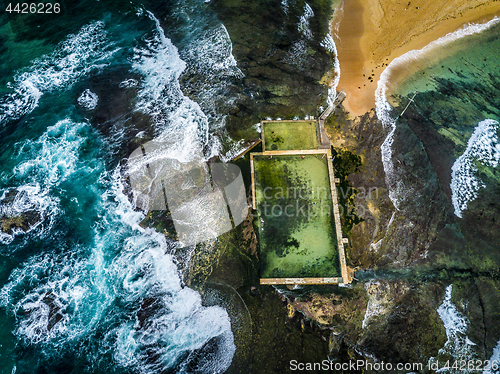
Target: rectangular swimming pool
{"points": [[289, 135], [296, 223]]}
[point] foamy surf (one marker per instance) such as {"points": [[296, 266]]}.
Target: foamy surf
{"points": [[175, 116], [329, 44], [44, 164], [212, 52], [185, 129], [178, 326], [36, 208], [495, 358], [483, 148], [284, 6], [100, 277], [297, 54], [458, 344], [304, 27], [88, 99], [59, 299], [74, 58], [209, 57], [397, 189]]}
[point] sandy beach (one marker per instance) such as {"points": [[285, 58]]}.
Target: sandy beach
{"points": [[369, 34]]}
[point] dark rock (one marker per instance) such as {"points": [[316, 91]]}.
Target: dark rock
{"points": [[55, 310], [10, 220], [254, 291]]}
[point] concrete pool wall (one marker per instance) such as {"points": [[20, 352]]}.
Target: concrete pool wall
{"points": [[295, 196]]}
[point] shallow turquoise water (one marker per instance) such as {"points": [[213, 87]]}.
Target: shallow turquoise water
{"points": [[458, 102], [441, 155]]}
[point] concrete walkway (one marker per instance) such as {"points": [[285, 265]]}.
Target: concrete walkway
{"points": [[325, 141]]}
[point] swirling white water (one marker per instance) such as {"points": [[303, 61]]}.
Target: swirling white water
{"points": [[80, 54], [96, 275], [483, 148], [398, 191], [458, 344]]}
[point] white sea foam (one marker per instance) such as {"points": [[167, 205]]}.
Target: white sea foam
{"points": [[495, 358], [59, 298], [128, 83], [44, 163], [216, 148], [52, 282], [28, 198], [380, 299], [182, 326], [213, 51], [88, 99], [258, 127], [176, 117], [54, 286], [458, 344], [53, 157], [304, 27], [483, 147], [296, 55], [376, 304], [210, 57], [72, 59], [329, 44], [397, 189], [338, 15], [284, 6]]}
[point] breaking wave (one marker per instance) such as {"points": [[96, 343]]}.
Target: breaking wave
{"points": [[88, 99], [483, 148], [304, 27], [44, 164], [329, 44], [384, 110], [60, 299], [458, 344], [76, 57], [107, 279]]}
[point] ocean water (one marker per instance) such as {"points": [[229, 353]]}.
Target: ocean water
{"points": [[83, 287], [441, 158], [88, 289], [455, 80]]}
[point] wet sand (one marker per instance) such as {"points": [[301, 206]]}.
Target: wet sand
{"points": [[370, 33]]}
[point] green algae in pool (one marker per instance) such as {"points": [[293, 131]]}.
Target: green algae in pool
{"points": [[287, 136], [295, 219]]}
